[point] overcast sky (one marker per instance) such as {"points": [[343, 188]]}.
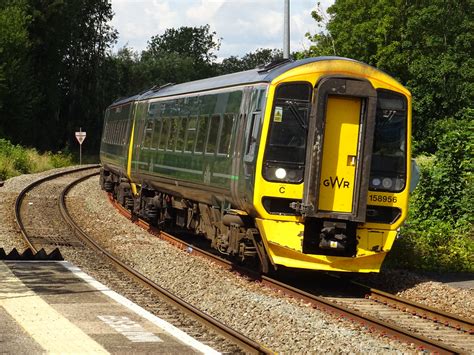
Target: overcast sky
{"points": [[243, 25]]}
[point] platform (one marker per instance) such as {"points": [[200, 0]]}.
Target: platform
{"points": [[53, 307]]}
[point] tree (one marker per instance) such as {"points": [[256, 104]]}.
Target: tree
{"points": [[123, 74], [427, 45], [182, 54], [197, 43], [70, 39], [250, 60], [18, 94]]}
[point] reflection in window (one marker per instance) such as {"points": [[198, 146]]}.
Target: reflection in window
{"points": [[191, 134], [164, 133], [172, 133], [148, 134], [226, 133], [213, 134], [201, 135], [181, 129], [157, 134]]}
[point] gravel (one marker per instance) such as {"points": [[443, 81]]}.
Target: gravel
{"points": [[420, 289], [10, 235], [284, 324]]}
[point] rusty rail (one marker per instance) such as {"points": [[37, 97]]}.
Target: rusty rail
{"points": [[247, 344]]}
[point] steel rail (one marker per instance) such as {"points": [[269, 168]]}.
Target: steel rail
{"points": [[30, 187], [419, 309], [382, 327], [238, 338]]}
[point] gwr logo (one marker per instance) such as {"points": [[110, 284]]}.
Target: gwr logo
{"points": [[336, 182]]}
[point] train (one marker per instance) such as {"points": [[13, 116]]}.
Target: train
{"points": [[302, 164]]}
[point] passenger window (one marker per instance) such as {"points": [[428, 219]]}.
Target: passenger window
{"points": [[213, 134], [201, 135], [226, 133], [124, 131], [115, 131], [148, 134], [253, 134], [164, 133], [121, 133], [173, 132], [153, 109], [157, 134], [180, 138], [191, 134]]}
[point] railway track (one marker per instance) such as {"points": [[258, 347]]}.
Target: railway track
{"points": [[43, 219], [429, 329], [39, 233]]}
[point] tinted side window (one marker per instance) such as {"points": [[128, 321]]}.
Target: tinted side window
{"points": [[157, 133], [180, 138], [164, 133], [191, 134], [172, 133], [201, 135], [226, 133], [212, 141], [148, 134]]}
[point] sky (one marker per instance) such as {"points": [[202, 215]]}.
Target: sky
{"points": [[243, 25]]}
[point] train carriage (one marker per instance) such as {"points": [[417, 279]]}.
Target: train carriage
{"points": [[303, 164]]}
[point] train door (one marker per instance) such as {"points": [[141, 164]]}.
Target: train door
{"points": [[338, 165], [338, 161], [339, 154]]}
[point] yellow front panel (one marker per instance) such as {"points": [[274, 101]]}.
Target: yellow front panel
{"points": [[283, 242], [341, 136], [312, 73]]}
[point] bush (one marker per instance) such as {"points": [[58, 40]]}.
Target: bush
{"points": [[439, 231], [434, 245], [16, 160]]}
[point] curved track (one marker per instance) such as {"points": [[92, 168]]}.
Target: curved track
{"points": [[20, 220], [399, 318], [72, 240], [243, 342]]}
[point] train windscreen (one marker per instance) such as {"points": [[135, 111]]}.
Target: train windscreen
{"points": [[389, 154], [286, 144]]}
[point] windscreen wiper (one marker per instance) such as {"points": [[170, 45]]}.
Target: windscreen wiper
{"points": [[294, 110]]}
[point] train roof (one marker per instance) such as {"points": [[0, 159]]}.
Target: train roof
{"points": [[253, 76]]}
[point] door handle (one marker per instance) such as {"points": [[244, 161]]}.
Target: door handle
{"points": [[351, 160]]}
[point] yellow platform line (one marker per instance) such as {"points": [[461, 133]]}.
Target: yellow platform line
{"points": [[53, 332]]}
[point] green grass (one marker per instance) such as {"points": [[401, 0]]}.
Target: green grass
{"points": [[16, 160]]}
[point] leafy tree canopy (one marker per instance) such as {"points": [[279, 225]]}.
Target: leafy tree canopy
{"points": [[180, 55], [197, 43], [427, 45], [17, 93], [66, 44], [250, 60]]}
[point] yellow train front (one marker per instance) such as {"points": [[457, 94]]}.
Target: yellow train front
{"points": [[332, 179], [303, 164]]}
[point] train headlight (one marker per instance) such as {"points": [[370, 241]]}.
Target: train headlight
{"points": [[280, 173], [387, 183], [376, 182], [286, 174]]}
